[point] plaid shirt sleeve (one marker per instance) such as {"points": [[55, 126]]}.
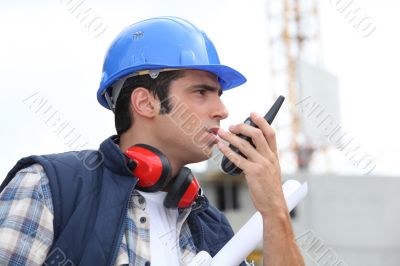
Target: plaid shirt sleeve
{"points": [[26, 218]]}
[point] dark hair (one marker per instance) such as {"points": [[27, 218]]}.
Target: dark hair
{"points": [[159, 87]]}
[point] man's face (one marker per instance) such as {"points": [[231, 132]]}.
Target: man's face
{"points": [[187, 132]]}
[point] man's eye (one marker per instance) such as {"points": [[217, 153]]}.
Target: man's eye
{"points": [[201, 92]]}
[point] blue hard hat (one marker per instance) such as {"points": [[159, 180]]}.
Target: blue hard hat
{"points": [[159, 44]]}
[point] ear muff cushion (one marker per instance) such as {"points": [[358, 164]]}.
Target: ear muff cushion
{"points": [[153, 168], [178, 188]]}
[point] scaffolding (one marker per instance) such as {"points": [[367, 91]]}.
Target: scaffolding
{"points": [[293, 27]]}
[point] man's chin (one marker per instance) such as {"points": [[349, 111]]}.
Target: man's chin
{"points": [[210, 151], [204, 153]]}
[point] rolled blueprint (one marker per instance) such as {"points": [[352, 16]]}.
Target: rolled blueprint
{"points": [[250, 235]]}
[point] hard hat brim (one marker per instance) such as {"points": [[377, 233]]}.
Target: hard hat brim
{"points": [[228, 77]]}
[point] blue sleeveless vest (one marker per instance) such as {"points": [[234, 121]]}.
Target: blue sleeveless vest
{"points": [[90, 193]]}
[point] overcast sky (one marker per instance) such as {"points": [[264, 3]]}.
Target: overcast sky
{"points": [[47, 54]]}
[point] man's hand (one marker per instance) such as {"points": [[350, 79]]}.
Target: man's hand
{"points": [[261, 168], [263, 176]]}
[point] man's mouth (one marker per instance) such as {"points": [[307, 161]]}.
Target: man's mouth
{"points": [[213, 131]]}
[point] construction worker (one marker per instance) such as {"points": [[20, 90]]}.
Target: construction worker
{"points": [[133, 201]]}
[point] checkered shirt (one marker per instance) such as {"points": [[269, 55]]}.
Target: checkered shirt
{"points": [[26, 224]]}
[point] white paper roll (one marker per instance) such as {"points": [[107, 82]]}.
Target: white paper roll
{"points": [[201, 259], [251, 234]]}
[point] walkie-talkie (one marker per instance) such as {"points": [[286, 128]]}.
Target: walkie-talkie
{"points": [[229, 167]]}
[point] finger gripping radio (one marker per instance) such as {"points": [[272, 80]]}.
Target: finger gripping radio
{"points": [[153, 170], [228, 166]]}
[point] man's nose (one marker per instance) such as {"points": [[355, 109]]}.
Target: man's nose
{"points": [[220, 112]]}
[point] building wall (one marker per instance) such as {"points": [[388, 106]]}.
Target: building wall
{"points": [[345, 220]]}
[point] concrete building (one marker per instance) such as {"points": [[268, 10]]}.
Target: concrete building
{"points": [[344, 220]]}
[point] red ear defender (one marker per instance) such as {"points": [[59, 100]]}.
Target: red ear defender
{"points": [[150, 166], [183, 191], [153, 170]]}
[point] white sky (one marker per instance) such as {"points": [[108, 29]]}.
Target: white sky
{"points": [[45, 49]]}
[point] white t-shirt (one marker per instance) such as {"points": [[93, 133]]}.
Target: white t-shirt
{"points": [[164, 243]]}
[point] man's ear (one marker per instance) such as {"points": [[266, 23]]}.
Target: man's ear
{"points": [[144, 102]]}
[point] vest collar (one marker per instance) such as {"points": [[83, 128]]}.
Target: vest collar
{"points": [[114, 159], [201, 203]]}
